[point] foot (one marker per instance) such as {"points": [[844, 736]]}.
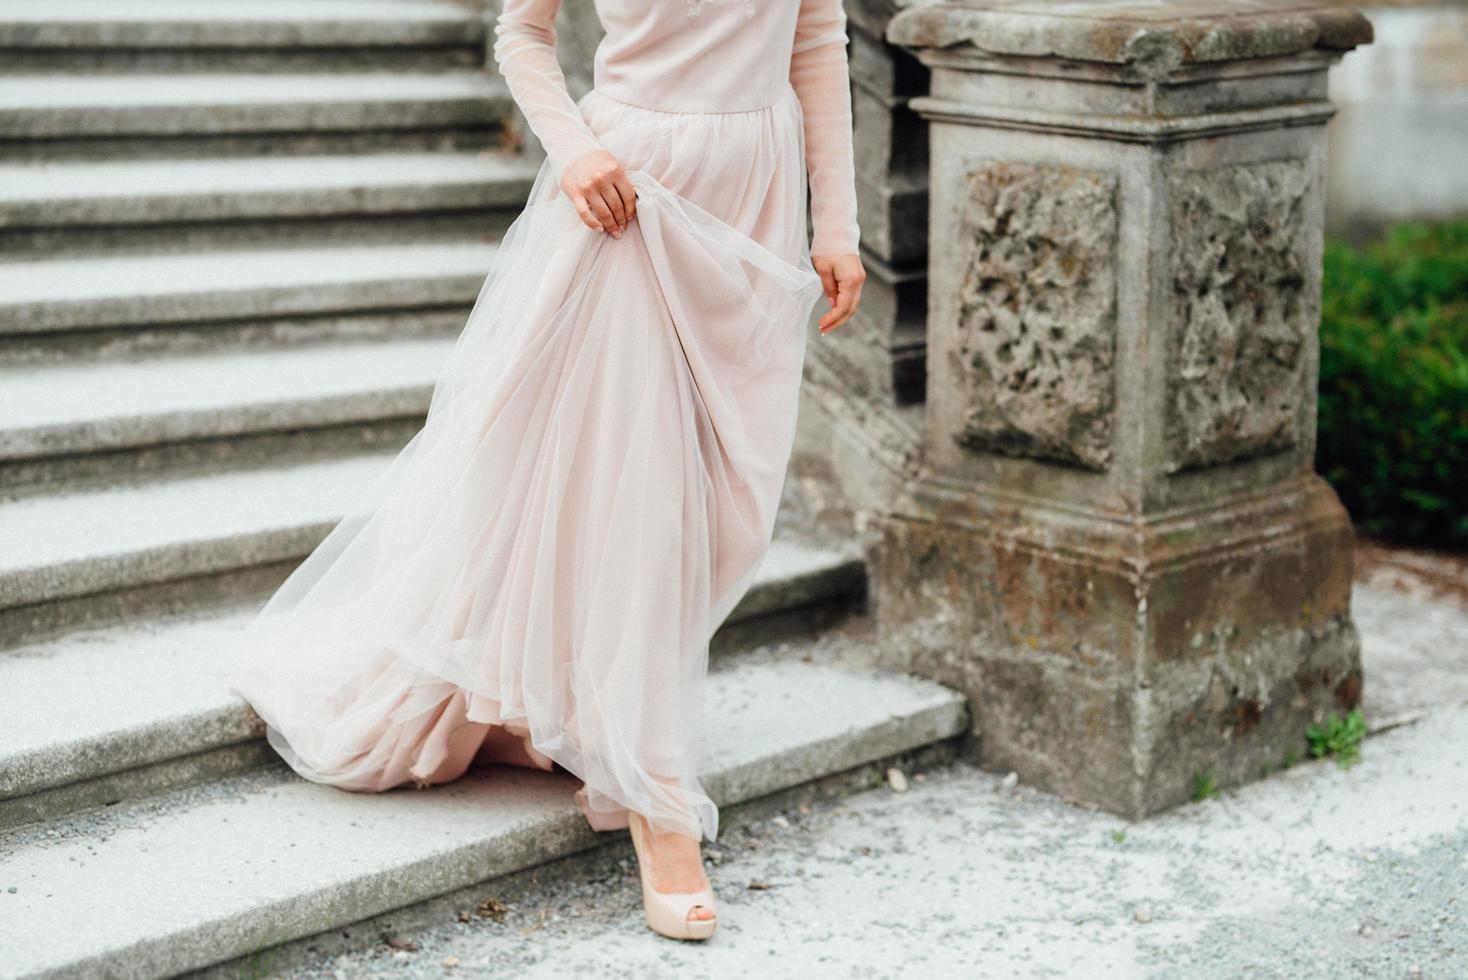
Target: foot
{"points": [[675, 866]]}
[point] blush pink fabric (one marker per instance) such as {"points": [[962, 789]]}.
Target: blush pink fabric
{"points": [[597, 480]]}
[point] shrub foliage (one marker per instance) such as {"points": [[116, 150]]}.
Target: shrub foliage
{"points": [[1393, 433]]}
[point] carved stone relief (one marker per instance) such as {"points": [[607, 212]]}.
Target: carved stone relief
{"points": [[1037, 313], [1242, 312]]}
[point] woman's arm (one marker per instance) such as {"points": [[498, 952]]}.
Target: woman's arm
{"points": [[525, 51], [822, 82]]}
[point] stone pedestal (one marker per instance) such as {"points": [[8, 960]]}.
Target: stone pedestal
{"points": [[1117, 545]]}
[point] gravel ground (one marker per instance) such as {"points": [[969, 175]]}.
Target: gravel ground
{"points": [[1315, 872]]}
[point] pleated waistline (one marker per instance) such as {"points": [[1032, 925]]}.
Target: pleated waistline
{"points": [[787, 97]]}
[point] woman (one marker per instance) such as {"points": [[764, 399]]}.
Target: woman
{"points": [[535, 578]]}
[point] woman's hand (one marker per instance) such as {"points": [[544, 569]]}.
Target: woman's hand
{"points": [[598, 187], [842, 276]]}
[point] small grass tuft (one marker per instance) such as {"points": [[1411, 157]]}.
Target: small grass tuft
{"points": [[1339, 737], [257, 965], [1204, 787]]}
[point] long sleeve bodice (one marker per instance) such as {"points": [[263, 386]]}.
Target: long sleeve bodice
{"points": [[700, 56]]}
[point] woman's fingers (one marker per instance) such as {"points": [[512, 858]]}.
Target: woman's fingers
{"points": [[842, 276], [604, 197], [603, 213], [613, 198], [597, 185], [628, 194], [583, 211], [839, 310], [848, 296], [614, 205], [836, 316], [828, 283]]}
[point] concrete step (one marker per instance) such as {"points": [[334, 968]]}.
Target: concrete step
{"points": [[203, 876], [140, 708], [81, 557], [236, 288], [46, 116], [92, 420], [176, 204], [90, 557], [129, 35], [145, 707]]}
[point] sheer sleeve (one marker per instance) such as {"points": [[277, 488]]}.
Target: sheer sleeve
{"points": [[822, 81], [525, 52]]}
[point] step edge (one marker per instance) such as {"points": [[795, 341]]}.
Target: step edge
{"points": [[223, 34], [120, 571], [143, 310], [839, 579], [558, 831], [216, 207], [106, 434]]}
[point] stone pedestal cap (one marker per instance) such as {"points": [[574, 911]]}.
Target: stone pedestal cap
{"points": [[1160, 35]]}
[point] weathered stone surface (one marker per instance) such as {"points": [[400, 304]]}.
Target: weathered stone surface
{"points": [[1115, 544], [1242, 312], [1038, 313], [1119, 664], [1151, 38]]}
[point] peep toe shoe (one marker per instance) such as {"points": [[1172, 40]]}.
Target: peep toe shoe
{"points": [[667, 912]]}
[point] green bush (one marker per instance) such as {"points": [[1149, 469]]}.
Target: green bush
{"points": [[1393, 436]]}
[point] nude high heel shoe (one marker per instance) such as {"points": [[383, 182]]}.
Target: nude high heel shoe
{"points": [[667, 912]]}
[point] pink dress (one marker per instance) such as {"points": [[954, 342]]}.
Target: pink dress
{"points": [[598, 477]]}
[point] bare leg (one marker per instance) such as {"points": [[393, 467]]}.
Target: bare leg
{"points": [[505, 748]]}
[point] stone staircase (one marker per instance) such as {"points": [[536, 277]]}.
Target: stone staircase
{"points": [[237, 239]]}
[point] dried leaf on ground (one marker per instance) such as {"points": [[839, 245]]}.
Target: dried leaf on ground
{"points": [[492, 908]]}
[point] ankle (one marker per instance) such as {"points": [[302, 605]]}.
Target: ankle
{"points": [[674, 861]]}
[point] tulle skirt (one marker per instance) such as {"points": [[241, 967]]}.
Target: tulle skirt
{"points": [[591, 494]]}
